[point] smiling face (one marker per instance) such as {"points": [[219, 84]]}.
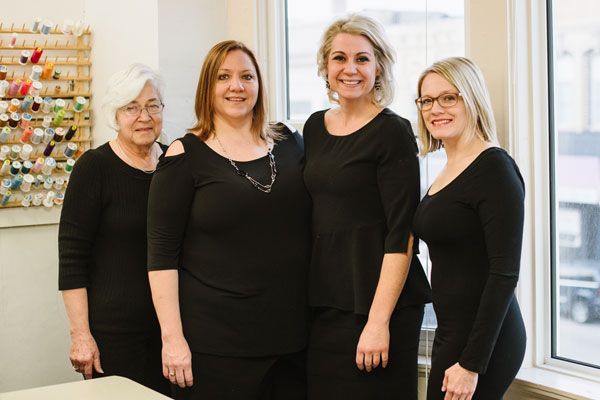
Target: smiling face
{"points": [[352, 67], [142, 129], [443, 123], [236, 88]]}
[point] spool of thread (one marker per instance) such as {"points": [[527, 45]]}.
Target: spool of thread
{"points": [[59, 104], [4, 134], [13, 122], [67, 27], [3, 72], [46, 121], [3, 107], [78, 28], [6, 197], [26, 152], [46, 27], [15, 168], [47, 105], [13, 40], [37, 167], [58, 200], [26, 135], [36, 25], [37, 199], [24, 57], [26, 202], [49, 166], [4, 121], [79, 104], [3, 88], [25, 120], [59, 183], [36, 73], [5, 168], [5, 185], [58, 118], [70, 150], [25, 87], [59, 134], [4, 150], [14, 86], [37, 53], [36, 88], [15, 150], [69, 165], [27, 165], [49, 199], [48, 69], [48, 182], [48, 135], [71, 132], [16, 182], [49, 148], [37, 103], [26, 103], [38, 135], [56, 74], [14, 106]]}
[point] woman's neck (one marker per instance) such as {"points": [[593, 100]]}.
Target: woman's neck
{"points": [[464, 146]]}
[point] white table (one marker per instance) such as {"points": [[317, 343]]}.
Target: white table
{"points": [[109, 388]]}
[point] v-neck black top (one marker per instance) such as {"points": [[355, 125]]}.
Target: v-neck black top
{"points": [[242, 254], [365, 189], [473, 228]]}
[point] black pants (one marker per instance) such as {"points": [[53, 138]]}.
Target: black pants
{"points": [[332, 370], [252, 378], [503, 366], [136, 356]]}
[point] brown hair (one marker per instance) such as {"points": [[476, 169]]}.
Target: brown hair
{"points": [[204, 106]]}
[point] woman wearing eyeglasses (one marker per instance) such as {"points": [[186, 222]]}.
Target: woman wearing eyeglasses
{"points": [[472, 221], [102, 239]]}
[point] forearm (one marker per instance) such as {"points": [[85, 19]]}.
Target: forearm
{"points": [[76, 305], [394, 271], [164, 285]]}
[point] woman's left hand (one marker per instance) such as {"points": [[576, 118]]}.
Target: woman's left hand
{"points": [[373, 346], [459, 383]]}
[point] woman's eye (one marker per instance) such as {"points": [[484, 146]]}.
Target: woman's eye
{"points": [[362, 59], [339, 58], [248, 77], [222, 77]]}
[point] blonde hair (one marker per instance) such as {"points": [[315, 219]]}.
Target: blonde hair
{"points": [[357, 24], [204, 106], [468, 79]]}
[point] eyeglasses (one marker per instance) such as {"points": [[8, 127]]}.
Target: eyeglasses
{"points": [[133, 110], [445, 100]]}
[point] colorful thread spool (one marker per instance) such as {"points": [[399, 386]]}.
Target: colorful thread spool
{"points": [[14, 106], [26, 151], [37, 199], [24, 89], [38, 135], [69, 165], [47, 105], [26, 135], [58, 118], [24, 57], [37, 167], [71, 132], [4, 134], [58, 200], [59, 134], [4, 120], [37, 53], [48, 182], [36, 73], [36, 88], [70, 150], [13, 122], [48, 69], [36, 25], [26, 202], [25, 120], [26, 103], [14, 86], [49, 148], [13, 40], [56, 74], [46, 121], [16, 181], [3, 88], [6, 197], [15, 167], [46, 27], [49, 200], [59, 183], [27, 165], [3, 72], [49, 166], [48, 135], [79, 104], [15, 150], [5, 185], [37, 103], [59, 104]]}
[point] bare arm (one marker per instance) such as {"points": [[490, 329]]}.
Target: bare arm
{"points": [[373, 345], [84, 353], [176, 355]]}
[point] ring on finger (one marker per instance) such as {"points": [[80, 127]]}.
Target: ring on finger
{"points": [[172, 373]]}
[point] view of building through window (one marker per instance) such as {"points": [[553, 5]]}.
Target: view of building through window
{"points": [[576, 184]]}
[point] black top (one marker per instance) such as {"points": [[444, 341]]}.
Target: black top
{"points": [[102, 242], [473, 228], [242, 254], [365, 189]]}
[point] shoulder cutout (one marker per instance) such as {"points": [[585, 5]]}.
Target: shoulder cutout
{"points": [[175, 149]]}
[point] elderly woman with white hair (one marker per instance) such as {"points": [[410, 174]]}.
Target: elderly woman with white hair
{"points": [[102, 239]]}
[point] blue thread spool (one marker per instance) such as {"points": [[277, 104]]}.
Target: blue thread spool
{"points": [[38, 181], [6, 197], [26, 104], [48, 182], [16, 182], [70, 150], [4, 134], [27, 165], [47, 105], [48, 135], [46, 26], [49, 166], [15, 167], [38, 135], [5, 185]]}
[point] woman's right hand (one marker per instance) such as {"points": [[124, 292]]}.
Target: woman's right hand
{"points": [[177, 361], [84, 354]]}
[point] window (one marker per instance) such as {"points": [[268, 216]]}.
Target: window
{"points": [[574, 89]]}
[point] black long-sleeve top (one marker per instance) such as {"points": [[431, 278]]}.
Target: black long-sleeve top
{"points": [[102, 242], [473, 228], [241, 254], [365, 189]]}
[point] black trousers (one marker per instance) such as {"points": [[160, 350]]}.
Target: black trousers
{"points": [[136, 356], [332, 371], [246, 378]]}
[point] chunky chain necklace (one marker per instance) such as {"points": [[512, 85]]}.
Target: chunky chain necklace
{"points": [[244, 174]]}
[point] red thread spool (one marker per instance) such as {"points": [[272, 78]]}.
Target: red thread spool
{"points": [[37, 53], [25, 87]]}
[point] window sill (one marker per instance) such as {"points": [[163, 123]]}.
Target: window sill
{"points": [[542, 384]]}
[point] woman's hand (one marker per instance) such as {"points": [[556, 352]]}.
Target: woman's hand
{"points": [[373, 346], [177, 361], [459, 383], [84, 354]]}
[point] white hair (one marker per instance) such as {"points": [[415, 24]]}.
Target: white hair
{"points": [[125, 86]]}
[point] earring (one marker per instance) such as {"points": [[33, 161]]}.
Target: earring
{"points": [[327, 84], [377, 85]]}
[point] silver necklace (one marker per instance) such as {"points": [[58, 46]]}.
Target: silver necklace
{"points": [[130, 162], [244, 174]]}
